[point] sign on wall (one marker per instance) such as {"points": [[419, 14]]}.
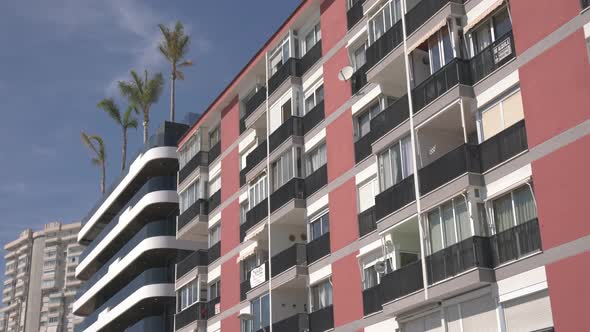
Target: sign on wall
{"points": [[257, 276], [502, 50]]}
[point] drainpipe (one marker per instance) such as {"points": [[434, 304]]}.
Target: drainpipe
{"points": [[268, 196]]}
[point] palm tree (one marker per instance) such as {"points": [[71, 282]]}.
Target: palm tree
{"points": [[126, 122], [142, 93], [96, 144], [174, 48]]}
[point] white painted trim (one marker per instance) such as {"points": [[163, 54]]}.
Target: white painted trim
{"points": [[214, 219], [356, 38], [495, 90], [316, 206], [367, 173], [315, 140], [215, 169], [369, 248], [365, 100], [247, 141], [214, 327], [320, 274], [313, 81], [509, 182], [522, 284], [214, 274]]}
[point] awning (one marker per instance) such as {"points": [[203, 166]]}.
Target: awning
{"points": [[255, 231], [249, 250], [425, 37], [480, 12]]}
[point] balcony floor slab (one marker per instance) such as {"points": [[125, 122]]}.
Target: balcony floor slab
{"points": [[453, 95]]}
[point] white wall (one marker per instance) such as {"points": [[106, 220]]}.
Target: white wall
{"points": [[288, 302], [280, 237]]}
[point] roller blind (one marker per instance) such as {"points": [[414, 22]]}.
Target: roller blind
{"points": [[528, 313], [479, 315]]}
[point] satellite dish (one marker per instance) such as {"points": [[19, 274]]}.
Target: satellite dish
{"points": [[345, 73], [380, 267]]}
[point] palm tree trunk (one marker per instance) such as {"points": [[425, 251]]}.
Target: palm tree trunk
{"points": [[145, 126], [102, 178], [172, 96], [124, 151]]}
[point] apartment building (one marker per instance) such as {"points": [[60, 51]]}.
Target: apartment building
{"points": [[39, 281], [401, 165], [127, 267]]}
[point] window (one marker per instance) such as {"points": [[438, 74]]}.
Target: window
{"points": [[215, 185], [214, 136], [260, 310], [257, 192], [243, 210], [514, 209], [189, 196], [366, 194], [188, 295], [214, 235], [396, 163], [319, 226], [501, 116], [448, 224], [321, 295], [370, 277], [384, 19], [490, 31], [316, 97], [311, 38], [279, 55], [251, 262], [215, 290], [359, 57], [440, 49], [363, 121], [282, 169], [189, 150], [315, 159]]}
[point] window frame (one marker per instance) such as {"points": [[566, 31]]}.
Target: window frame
{"points": [[455, 223], [319, 218], [405, 172]]}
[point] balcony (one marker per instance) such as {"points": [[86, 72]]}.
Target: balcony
{"points": [[254, 102], [456, 72], [474, 252], [318, 248], [316, 180], [367, 221], [385, 44], [197, 311], [390, 118], [313, 117], [246, 286], [214, 152], [311, 57], [395, 197], [296, 323], [290, 68], [492, 57], [503, 146], [199, 208], [293, 126], [198, 258], [214, 252], [215, 200], [322, 320], [253, 217], [293, 189], [288, 258], [256, 156], [372, 300], [201, 159], [359, 79], [423, 11], [213, 307], [401, 282], [516, 242], [355, 14], [362, 147], [447, 168]]}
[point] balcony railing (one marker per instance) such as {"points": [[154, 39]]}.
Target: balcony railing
{"points": [[516, 242], [455, 163], [318, 248], [362, 147], [201, 159], [211, 305], [290, 68], [293, 189], [422, 12], [503, 146], [215, 200], [200, 207], [313, 117], [197, 311], [243, 177], [311, 57], [293, 126], [245, 286], [474, 252], [296, 323], [256, 156], [214, 252], [316, 180], [253, 217], [242, 125], [390, 118], [455, 72], [395, 197], [372, 300], [367, 221], [492, 57], [292, 256], [322, 320], [197, 258], [359, 79], [355, 14], [401, 282], [214, 152], [385, 44], [585, 4], [255, 101]]}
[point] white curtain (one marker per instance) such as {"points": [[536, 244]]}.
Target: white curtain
{"points": [[503, 216], [524, 205], [436, 241]]}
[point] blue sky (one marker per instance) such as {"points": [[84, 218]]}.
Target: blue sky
{"points": [[58, 58]]}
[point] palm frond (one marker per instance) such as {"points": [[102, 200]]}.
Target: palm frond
{"points": [[180, 75], [129, 121], [186, 63], [101, 154], [87, 141], [110, 107], [153, 88]]}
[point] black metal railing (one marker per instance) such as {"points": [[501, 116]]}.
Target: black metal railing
{"points": [[367, 221], [322, 320], [292, 256], [197, 311], [214, 152], [254, 102], [316, 180], [214, 252], [455, 72], [256, 156], [459, 257], [372, 299], [200, 207], [391, 117], [197, 258], [313, 117], [318, 248], [245, 285], [295, 323], [211, 305], [585, 4], [516, 242], [450, 166], [362, 147], [215, 200], [422, 12], [385, 44], [403, 281], [253, 217], [243, 173], [355, 14], [359, 79], [293, 189], [311, 57], [395, 197], [201, 159], [492, 57], [503, 146], [293, 126], [290, 68], [242, 125]]}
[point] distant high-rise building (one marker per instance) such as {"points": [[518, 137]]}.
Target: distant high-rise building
{"points": [[39, 283]]}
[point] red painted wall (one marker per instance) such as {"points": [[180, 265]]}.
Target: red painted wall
{"points": [[348, 300], [343, 215], [333, 22], [230, 227], [230, 130], [339, 146], [336, 92], [230, 174], [230, 284], [231, 323]]}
